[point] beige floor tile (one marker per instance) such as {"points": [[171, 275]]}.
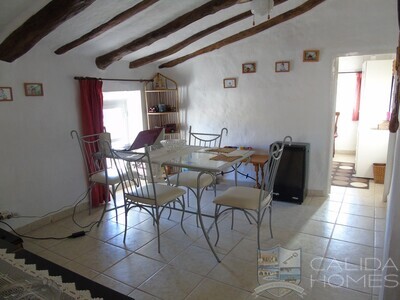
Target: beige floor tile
{"points": [[135, 217], [106, 231], [73, 248], [236, 272], [380, 224], [308, 243], [347, 275], [228, 239], [81, 269], [354, 235], [176, 233], [356, 221], [211, 289], [325, 216], [186, 268], [318, 228], [169, 249], [113, 284], [379, 239], [350, 252], [360, 210], [380, 212], [196, 260], [135, 239], [54, 257], [322, 290], [54, 232], [171, 283], [246, 249], [138, 294], [102, 257], [149, 226], [134, 269]]}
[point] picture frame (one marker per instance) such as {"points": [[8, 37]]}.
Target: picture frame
{"points": [[6, 94], [282, 66], [229, 83], [33, 89], [310, 55], [249, 67]]}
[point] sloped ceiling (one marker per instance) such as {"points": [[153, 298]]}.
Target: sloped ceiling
{"points": [[146, 22]]}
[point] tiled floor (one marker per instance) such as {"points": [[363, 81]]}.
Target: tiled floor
{"points": [[339, 236]]}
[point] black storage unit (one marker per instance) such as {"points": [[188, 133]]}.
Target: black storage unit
{"points": [[292, 176]]}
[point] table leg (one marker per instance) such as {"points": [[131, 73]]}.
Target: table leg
{"points": [[257, 168], [198, 196]]}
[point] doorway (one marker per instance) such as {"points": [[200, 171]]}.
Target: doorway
{"points": [[363, 97]]}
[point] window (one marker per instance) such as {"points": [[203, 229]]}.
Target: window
{"points": [[122, 116]]}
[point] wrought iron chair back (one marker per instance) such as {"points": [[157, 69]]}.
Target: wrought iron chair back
{"points": [[206, 139]]}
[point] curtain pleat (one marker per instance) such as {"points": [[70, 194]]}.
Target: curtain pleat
{"points": [[356, 106], [91, 96]]}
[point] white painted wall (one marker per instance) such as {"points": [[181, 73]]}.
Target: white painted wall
{"points": [[266, 105], [40, 164]]}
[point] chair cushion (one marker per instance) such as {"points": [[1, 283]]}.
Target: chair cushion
{"points": [[165, 194], [189, 179], [241, 197], [100, 177]]}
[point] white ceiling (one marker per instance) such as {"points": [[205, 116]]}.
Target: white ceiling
{"points": [[14, 12]]}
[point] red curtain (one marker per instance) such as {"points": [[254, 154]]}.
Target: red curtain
{"points": [[91, 95], [356, 107]]}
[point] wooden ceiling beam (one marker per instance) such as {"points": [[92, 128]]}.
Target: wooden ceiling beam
{"points": [[177, 47], [301, 9], [208, 8], [107, 26], [38, 26]]}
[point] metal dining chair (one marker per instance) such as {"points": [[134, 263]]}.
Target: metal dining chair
{"points": [[189, 178], [140, 190], [99, 169], [253, 201]]}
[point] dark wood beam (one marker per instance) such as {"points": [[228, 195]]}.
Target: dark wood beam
{"points": [[106, 26], [301, 9], [177, 47], [38, 26], [208, 8]]}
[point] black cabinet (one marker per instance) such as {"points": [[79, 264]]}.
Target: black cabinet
{"points": [[292, 176]]}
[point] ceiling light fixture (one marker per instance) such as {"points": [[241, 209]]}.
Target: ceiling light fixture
{"points": [[261, 8]]}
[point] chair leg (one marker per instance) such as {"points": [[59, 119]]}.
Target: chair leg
{"points": [[216, 215], [126, 222], [187, 192], [233, 217], [270, 221], [183, 213], [157, 220]]}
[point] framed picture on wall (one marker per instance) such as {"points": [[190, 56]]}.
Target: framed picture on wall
{"points": [[6, 94], [249, 68], [311, 55], [33, 89], [282, 66], [229, 83]]}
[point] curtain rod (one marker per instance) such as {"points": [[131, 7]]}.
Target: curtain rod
{"points": [[112, 79], [353, 72]]}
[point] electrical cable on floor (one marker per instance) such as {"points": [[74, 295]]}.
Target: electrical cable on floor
{"points": [[73, 235]]}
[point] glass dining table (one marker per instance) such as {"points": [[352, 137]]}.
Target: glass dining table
{"points": [[204, 160]]}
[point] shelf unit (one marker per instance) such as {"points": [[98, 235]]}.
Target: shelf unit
{"points": [[162, 105]]}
